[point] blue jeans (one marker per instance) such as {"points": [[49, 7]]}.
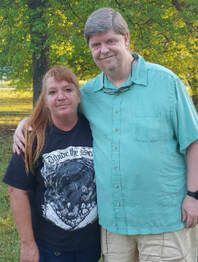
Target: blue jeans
{"points": [[91, 254]]}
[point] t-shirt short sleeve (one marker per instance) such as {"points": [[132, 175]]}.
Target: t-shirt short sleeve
{"points": [[16, 174]]}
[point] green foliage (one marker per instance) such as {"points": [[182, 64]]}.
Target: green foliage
{"points": [[162, 31], [14, 39]]}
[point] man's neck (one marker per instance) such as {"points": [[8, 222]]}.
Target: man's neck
{"points": [[119, 76]]}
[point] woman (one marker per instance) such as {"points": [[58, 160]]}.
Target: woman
{"points": [[52, 187]]}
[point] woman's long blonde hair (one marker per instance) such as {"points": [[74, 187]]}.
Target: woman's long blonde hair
{"points": [[40, 117]]}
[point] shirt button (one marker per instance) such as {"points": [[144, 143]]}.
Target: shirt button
{"points": [[116, 130], [115, 148], [117, 186]]}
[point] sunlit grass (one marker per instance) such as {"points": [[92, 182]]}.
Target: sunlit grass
{"points": [[10, 120], [13, 93], [16, 108], [14, 105]]}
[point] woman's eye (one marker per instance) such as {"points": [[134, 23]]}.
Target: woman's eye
{"points": [[52, 92], [68, 90]]}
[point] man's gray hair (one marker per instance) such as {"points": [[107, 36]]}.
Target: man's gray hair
{"points": [[103, 20]]}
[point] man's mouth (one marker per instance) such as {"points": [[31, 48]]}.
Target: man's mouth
{"points": [[106, 57]]}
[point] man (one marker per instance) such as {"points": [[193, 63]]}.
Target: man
{"points": [[145, 131]]}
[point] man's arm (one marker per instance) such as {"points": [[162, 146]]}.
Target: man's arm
{"points": [[22, 215], [18, 138], [190, 204]]}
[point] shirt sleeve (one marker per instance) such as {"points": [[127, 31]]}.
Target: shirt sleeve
{"points": [[17, 176], [185, 117]]}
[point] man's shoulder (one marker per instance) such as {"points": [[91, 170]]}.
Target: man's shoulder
{"points": [[160, 70], [91, 84]]}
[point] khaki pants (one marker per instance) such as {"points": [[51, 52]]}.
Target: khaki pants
{"points": [[177, 246]]}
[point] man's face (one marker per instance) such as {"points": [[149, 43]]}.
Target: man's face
{"points": [[109, 50]]}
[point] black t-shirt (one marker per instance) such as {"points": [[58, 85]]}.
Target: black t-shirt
{"points": [[62, 190]]}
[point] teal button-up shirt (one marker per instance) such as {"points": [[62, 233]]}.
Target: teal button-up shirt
{"points": [[140, 139]]}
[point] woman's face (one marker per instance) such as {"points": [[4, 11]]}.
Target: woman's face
{"points": [[62, 98]]}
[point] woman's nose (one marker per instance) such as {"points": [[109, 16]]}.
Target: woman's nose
{"points": [[61, 95]]}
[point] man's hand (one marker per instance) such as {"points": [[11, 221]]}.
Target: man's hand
{"points": [[18, 138], [190, 211], [29, 252]]}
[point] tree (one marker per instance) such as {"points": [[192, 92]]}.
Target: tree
{"points": [[51, 32], [39, 44], [14, 40]]}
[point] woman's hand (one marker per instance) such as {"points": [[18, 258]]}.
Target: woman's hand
{"points": [[29, 252]]}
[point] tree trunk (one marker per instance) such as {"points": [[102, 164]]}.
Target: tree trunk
{"points": [[40, 49], [39, 67]]}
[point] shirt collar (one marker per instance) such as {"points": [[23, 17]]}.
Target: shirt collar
{"points": [[138, 74], [139, 71]]}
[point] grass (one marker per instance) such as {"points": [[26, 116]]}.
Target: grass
{"points": [[14, 105], [8, 235]]}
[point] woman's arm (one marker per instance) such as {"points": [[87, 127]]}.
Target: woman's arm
{"points": [[22, 215]]}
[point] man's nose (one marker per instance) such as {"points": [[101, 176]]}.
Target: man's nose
{"points": [[104, 49]]}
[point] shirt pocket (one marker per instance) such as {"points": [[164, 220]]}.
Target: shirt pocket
{"points": [[147, 128]]}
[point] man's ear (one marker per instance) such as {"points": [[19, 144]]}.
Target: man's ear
{"points": [[127, 40]]}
